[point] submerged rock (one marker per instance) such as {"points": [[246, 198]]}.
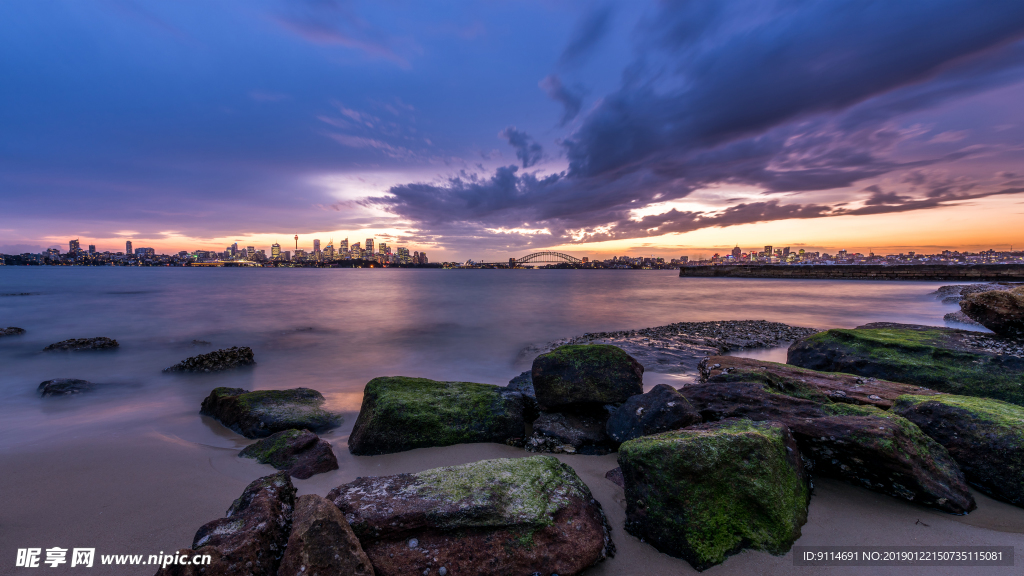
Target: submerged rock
{"points": [[252, 536], [100, 343], [942, 359], [709, 491], [488, 518], [1001, 311], [64, 387], [595, 374], [300, 453], [263, 412], [322, 543], [859, 444], [986, 437], [216, 361], [660, 410], [400, 413], [11, 331]]}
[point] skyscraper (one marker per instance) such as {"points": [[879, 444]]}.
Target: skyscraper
{"points": [[250, 252], [356, 252], [369, 247], [275, 251], [785, 251], [343, 248], [316, 248], [383, 248], [74, 246], [92, 248], [768, 251], [736, 252], [128, 248], [234, 248]]}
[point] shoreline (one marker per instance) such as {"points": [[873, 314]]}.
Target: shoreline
{"points": [[901, 272]]}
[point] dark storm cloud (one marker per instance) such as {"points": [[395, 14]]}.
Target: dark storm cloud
{"points": [[588, 33], [527, 149], [571, 101]]}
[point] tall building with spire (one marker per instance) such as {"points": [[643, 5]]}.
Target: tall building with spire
{"points": [[275, 251]]}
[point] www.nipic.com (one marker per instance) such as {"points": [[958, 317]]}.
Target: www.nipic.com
{"points": [[85, 557]]}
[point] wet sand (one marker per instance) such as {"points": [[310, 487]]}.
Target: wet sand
{"points": [[139, 489]]}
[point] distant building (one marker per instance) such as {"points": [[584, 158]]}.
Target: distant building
{"points": [[785, 251], [736, 252], [343, 248], [316, 249], [382, 248], [73, 246], [287, 255], [403, 255], [144, 252], [369, 247], [768, 251], [128, 248], [250, 252], [684, 259], [275, 251], [92, 248]]}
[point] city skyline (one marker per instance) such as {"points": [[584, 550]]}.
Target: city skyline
{"points": [[642, 127]]}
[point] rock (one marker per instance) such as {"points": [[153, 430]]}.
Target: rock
{"points": [[596, 374], [522, 384], [1001, 311], [252, 536], [809, 384], [709, 491], [300, 453], [959, 317], [400, 413], [584, 432], [322, 543], [493, 517], [943, 359], [11, 331], [216, 361], [200, 343], [859, 444], [75, 344], [64, 387], [660, 410], [615, 477], [263, 412], [986, 437]]}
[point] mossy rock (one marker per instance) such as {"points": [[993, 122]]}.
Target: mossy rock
{"points": [[263, 412], [1001, 311], [709, 491], [301, 453], [936, 358], [986, 437], [487, 518], [585, 374], [400, 413]]}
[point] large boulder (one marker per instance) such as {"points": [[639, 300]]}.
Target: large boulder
{"points": [[859, 444], [595, 374], [400, 413], [263, 412], [711, 490], [11, 331], [75, 344], [660, 410], [216, 361], [64, 387], [300, 453], [250, 539], [493, 517], [808, 384], [942, 359], [1001, 311], [986, 437], [322, 543]]}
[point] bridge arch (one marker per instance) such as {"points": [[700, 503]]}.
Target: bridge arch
{"points": [[537, 257]]}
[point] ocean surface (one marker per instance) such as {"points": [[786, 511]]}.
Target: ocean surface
{"points": [[335, 329]]}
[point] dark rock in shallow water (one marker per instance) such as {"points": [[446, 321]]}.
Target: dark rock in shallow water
{"points": [[251, 538], [11, 331], [64, 387], [300, 453], [488, 518], [1000, 311], [216, 361], [615, 477], [943, 359], [263, 412], [200, 343], [960, 318], [986, 437], [73, 344], [660, 410], [322, 543], [859, 444], [400, 413], [585, 432], [706, 492], [595, 374]]}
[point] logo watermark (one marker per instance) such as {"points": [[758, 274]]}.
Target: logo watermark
{"points": [[85, 557]]}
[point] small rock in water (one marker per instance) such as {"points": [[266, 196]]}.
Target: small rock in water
{"points": [[11, 331], [64, 387], [73, 344], [216, 361]]}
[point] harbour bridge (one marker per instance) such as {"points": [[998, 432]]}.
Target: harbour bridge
{"points": [[546, 257]]}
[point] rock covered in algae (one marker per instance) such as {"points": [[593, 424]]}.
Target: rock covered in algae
{"points": [[300, 453], [400, 413], [585, 375], [322, 543], [1001, 311], [711, 490], [986, 437], [488, 518], [263, 412]]}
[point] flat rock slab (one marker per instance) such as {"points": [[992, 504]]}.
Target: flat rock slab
{"points": [[709, 491], [400, 413], [660, 410], [593, 374], [322, 543], [300, 453], [488, 518], [75, 344], [263, 412], [942, 359], [986, 437], [216, 361], [809, 384], [11, 331], [64, 387]]}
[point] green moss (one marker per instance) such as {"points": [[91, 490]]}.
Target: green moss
{"points": [[704, 494], [775, 383], [1008, 417], [268, 450]]}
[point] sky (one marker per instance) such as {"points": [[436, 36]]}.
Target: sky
{"points": [[492, 129]]}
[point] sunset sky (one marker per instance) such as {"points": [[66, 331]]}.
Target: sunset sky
{"points": [[492, 129]]}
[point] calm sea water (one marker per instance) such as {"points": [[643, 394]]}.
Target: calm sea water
{"points": [[334, 330]]}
